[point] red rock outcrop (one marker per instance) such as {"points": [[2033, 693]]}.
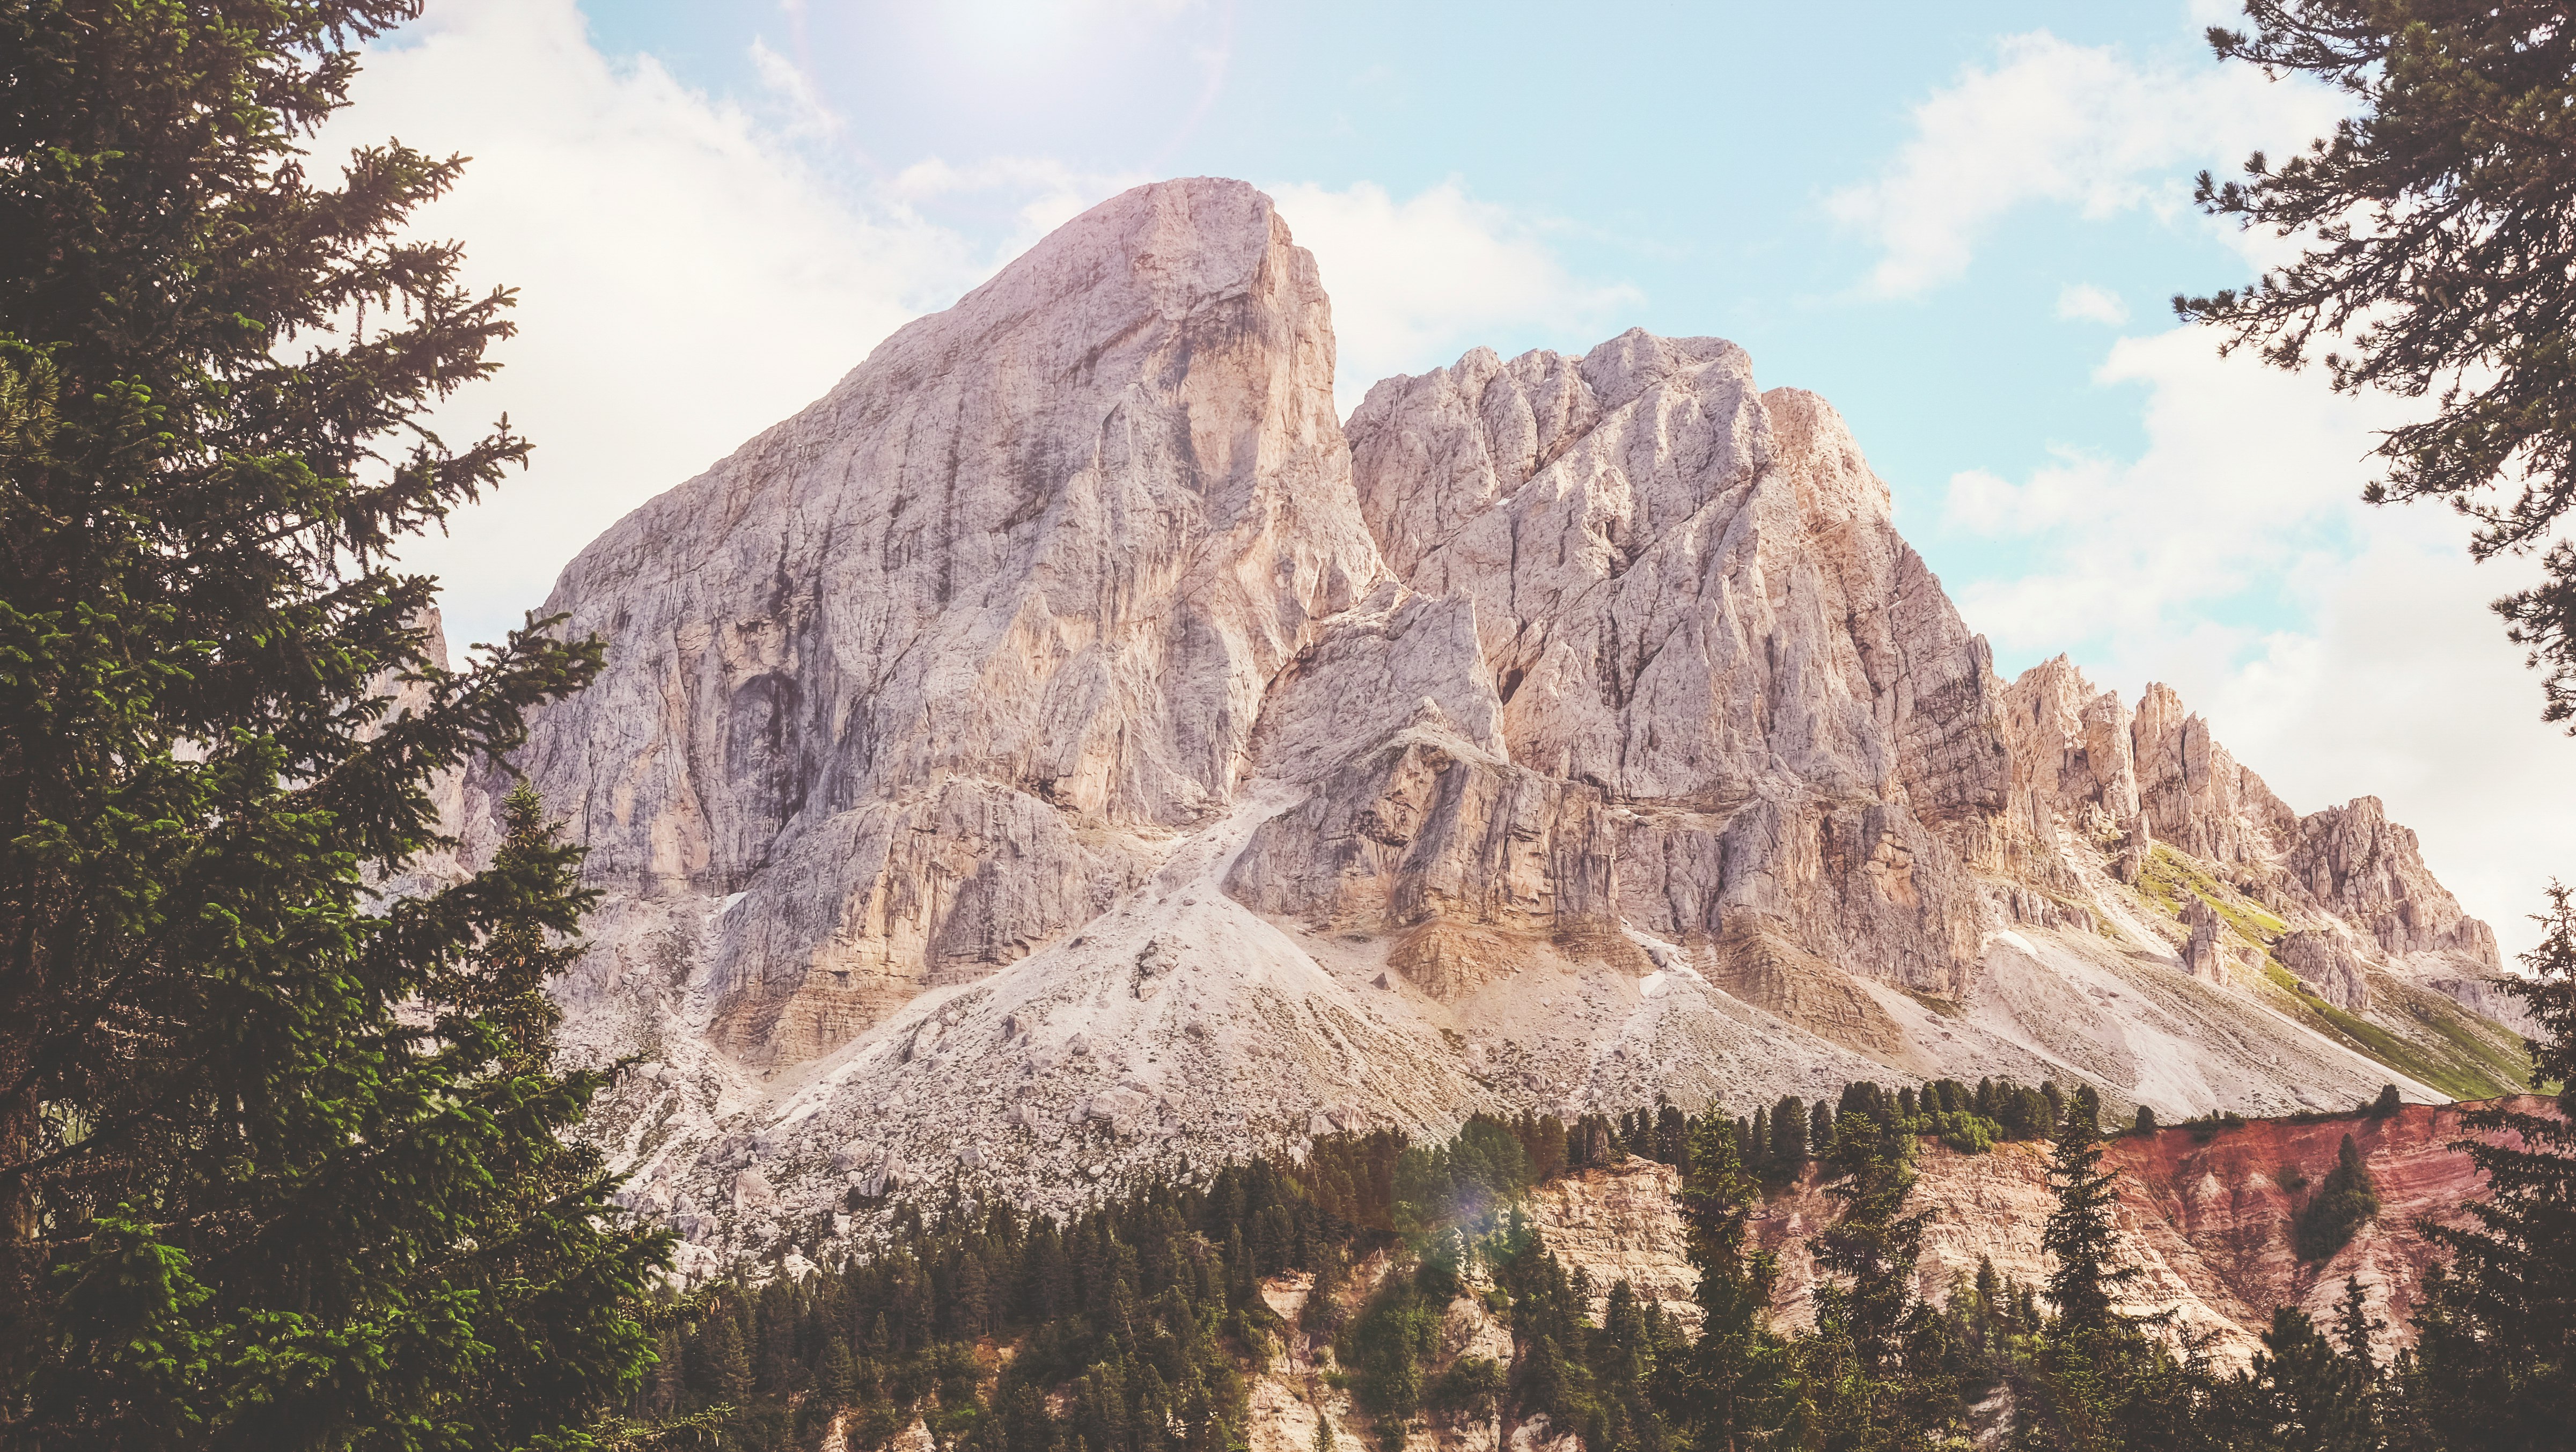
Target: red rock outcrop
{"points": [[2206, 1216]]}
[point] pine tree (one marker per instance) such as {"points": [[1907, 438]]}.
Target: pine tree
{"points": [[1719, 1392], [248, 1198], [1863, 1386], [2495, 1359], [2437, 248], [2345, 1199], [1788, 1138], [2079, 1229], [2310, 1396]]}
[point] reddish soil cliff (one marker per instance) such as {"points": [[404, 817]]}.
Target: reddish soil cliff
{"points": [[2205, 1214]]}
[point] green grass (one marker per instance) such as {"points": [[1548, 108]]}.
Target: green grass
{"points": [[2507, 1065], [2473, 1075], [2467, 1065], [2170, 880]]}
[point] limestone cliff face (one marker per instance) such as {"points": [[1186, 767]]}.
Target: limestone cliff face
{"points": [[2347, 889], [1022, 579], [1693, 603], [1064, 749]]}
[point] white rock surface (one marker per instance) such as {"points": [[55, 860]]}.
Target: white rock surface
{"points": [[1059, 751]]}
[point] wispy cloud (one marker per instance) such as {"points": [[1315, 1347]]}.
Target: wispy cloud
{"points": [[2375, 668], [685, 277], [693, 269], [795, 90], [2075, 126], [2085, 303], [1419, 280]]}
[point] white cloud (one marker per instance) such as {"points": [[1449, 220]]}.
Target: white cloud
{"points": [[685, 278], [2339, 650], [2083, 302], [809, 117], [1416, 282], [2075, 125], [689, 272]]}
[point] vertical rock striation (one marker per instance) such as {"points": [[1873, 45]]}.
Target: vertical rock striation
{"points": [[1693, 603], [925, 669]]}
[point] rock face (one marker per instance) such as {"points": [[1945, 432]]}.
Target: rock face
{"points": [[924, 670], [2205, 1217], [1693, 606], [1066, 748], [2345, 889]]}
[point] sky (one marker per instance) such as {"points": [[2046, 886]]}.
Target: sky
{"points": [[1962, 224]]}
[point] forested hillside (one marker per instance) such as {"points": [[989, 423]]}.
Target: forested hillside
{"points": [[1149, 1320]]}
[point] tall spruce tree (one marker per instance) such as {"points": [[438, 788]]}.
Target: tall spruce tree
{"points": [[279, 1160], [2078, 1235], [2495, 1360], [1869, 1375], [1720, 1393], [2308, 1395], [2441, 227]]}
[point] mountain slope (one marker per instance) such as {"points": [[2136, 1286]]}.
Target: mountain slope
{"points": [[1061, 749]]}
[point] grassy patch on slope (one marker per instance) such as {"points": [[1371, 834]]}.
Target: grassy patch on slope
{"points": [[2461, 1061], [2470, 1075], [2170, 881]]}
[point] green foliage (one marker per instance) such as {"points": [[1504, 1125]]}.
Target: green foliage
{"points": [[2495, 1362], [1385, 1347], [2435, 223], [1469, 1389], [1720, 1389], [2387, 1104], [1115, 1317], [280, 1159], [2306, 1393], [2345, 1201], [1876, 1371], [2079, 1230]]}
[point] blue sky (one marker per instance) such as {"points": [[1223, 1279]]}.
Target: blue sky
{"points": [[1686, 153], [1960, 223]]}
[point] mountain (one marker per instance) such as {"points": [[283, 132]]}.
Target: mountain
{"points": [[1068, 747]]}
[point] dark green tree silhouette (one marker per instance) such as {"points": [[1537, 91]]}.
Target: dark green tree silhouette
{"points": [[2495, 1361], [1871, 1374], [2346, 1199], [280, 1159], [2087, 1274], [1721, 1391], [2308, 1395], [2440, 230]]}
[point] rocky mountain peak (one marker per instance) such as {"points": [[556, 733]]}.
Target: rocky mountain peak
{"points": [[891, 669], [1066, 747]]}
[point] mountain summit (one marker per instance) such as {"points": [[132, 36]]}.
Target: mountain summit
{"points": [[1067, 746]]}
